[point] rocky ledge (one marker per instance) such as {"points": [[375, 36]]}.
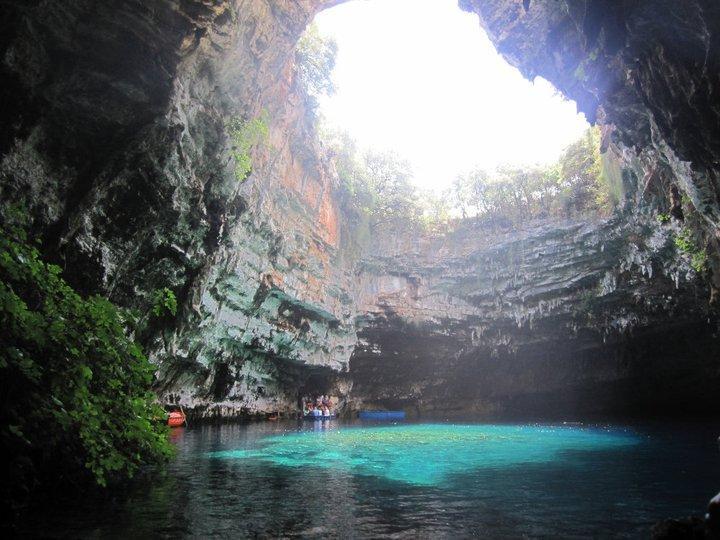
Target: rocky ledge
{"points": [[115, 138], [568, 319]]}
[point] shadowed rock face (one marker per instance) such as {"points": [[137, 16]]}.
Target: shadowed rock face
{"points": [[117, 145], [557, 319], [648, 68], [114, 138]]}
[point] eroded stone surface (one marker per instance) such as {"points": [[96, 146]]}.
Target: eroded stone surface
{"points": [[114, 137], [570, 319]]}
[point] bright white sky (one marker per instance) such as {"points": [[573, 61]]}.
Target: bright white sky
{"points": [[421, 77]]}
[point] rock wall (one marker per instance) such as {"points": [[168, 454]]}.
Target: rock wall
{"points": [[115, 139], [116, 143], [647, 70], [572, 319]]}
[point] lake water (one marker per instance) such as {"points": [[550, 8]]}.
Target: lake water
{"points": [[410, 480]]}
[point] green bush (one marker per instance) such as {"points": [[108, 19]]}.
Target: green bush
{"points": [[582, 182], [698, 261], [698, 256], [380, 186], [376, 190], [164, 303], [75, 389], [588, 301], [315, 59], [244, 135]]}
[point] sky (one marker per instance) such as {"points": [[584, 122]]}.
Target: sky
{"points": [[421, 78]]}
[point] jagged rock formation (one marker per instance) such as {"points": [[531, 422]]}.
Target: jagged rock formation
{"points": [[114, 136], [565, 319], [647, 70], [116, 142]]}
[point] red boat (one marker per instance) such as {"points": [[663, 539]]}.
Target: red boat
{"points": [[177, 418]]}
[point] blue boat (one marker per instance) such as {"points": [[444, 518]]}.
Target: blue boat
{"points": [[381, 415], [312, 417]]}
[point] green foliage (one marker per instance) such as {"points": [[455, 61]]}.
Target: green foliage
{"points": [[581, 176], [315, 60], [582, 182], [245, 134], [435, 212], [663, 218], [164, 303], [580, 72], [686, 244], [699, 261], [587, 301], [75, 389], [394, 198], [610, 190], [376, 188]]}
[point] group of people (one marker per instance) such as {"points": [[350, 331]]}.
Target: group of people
{"points": [[321, 406]]}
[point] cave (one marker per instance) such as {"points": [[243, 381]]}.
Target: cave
{"points": [[117, 141]]}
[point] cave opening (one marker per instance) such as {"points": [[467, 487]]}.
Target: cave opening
{"points": [[221, 250], [456, 128], [525, 187]]}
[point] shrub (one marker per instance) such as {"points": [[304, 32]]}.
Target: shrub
{"points": [[587, 301], [244, 135], [164, 303], [698, 256], [75, 389], [698, 261], [583, 181], [315, 60]]}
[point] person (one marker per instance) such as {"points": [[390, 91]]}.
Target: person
{"points": [[316, 411], [326, 401], [325, 411], [318, 401]]}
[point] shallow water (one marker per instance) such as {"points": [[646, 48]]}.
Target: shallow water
{"points": [[411, 480]]}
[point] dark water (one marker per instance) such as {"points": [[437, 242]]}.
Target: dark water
{"points": [[410, 481]]}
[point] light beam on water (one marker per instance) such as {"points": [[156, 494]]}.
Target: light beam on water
{"points": [[429, 454]]}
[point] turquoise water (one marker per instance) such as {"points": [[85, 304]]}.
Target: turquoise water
{"points": [[429, 454], [339, 480]]}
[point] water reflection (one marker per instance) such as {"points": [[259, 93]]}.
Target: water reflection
{"points": [[618, 490]]}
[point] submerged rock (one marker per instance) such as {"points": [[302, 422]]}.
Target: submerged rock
{"points": [[681, 529], [693, 528], [713, 516]]}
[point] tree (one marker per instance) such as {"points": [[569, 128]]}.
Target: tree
{"points": [[547, 188], [478, 186], [459, 195], [394, 197], [435, 211], [577, 183], [245, 134], [356, 194], [376, 184], [75, 387], [580, 174], [315, 59]]}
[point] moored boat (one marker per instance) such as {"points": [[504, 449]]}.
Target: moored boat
{"points": [[319, 417], [381, 415], [177, 418]]}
